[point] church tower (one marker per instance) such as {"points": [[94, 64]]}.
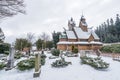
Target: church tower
{"points": [[71, 24], [83, 25]]}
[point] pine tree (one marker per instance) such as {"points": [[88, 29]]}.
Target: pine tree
{"points": [[109, 31], [2, 36]]}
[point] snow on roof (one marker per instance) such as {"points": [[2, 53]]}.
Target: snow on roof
{"points": [[94, 42], [66, 42], [84, 24], [70, 35], [63, 35], [85, 35], [95, 35], [81, 34], [90, 31], [82, 42]]}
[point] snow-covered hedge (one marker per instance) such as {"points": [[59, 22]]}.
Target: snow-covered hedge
{"points": [[26, 64], [97, 63], [55, 52], [60, 63], [111, 48], [29, 63]]}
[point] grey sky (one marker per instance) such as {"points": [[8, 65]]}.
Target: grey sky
{"points": [[49, 15]]}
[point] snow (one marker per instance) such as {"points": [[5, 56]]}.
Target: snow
{"points": [[66, 42], [70, 35], [95, 42], [81, 34], [95, 35], [76, 71], [85, 35], [80, 42], [84, 23]]}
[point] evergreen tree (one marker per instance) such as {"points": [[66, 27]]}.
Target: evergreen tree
{"points": [[109, 31], [55, 38], [39, 44], [2, 36]]}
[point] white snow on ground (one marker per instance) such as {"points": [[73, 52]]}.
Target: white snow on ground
{"points": [[76, 71]]}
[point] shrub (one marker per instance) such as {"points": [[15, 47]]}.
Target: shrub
{"points": [[60, 63], [6, 52], [75, 50], [116, 48], [43, 56], [26, 64], [17, 55], [97, 63], [4, 47], [111, 48], [2, 65], [29, 63], [42, 61], [106, 49], [55, 52], [73, 47]]}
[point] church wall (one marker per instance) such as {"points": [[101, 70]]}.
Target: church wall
{"points": [[63, 40], [83, 47], [95, 46], [62, 47], [80, 47], [72, 40]]}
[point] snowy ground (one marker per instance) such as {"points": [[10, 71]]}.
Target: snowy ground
{"points": [[76, 71]]}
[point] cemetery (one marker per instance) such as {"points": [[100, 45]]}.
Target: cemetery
{"points": [[61, 67], [51, 40]]}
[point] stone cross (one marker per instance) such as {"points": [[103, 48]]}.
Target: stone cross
{"points": [[37, 65]]}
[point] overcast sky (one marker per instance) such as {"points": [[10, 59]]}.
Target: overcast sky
{"points": [[49, 15]]}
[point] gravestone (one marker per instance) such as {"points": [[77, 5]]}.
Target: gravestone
{"points": [[42, 52], [10, 63], [37, 65]]}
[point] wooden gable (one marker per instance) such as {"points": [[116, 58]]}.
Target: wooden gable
{"points": [[91, 38]]}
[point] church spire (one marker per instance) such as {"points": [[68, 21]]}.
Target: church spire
{"points": [[71, 24], [83, 25]]}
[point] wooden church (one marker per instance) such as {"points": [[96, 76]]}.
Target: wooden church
{"points": [[81, 37]]}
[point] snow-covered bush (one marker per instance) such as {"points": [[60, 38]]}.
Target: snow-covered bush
{"points": [[111, 48], [30, 63], [26, 64], [55, 52], [60, 63], [75, 50], [2, 65], [97, 63], [43, 56], [17, 55]]}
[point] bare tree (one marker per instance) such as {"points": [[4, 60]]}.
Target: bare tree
{"points": [[30, 37], [44, 36], [10, 8]]}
